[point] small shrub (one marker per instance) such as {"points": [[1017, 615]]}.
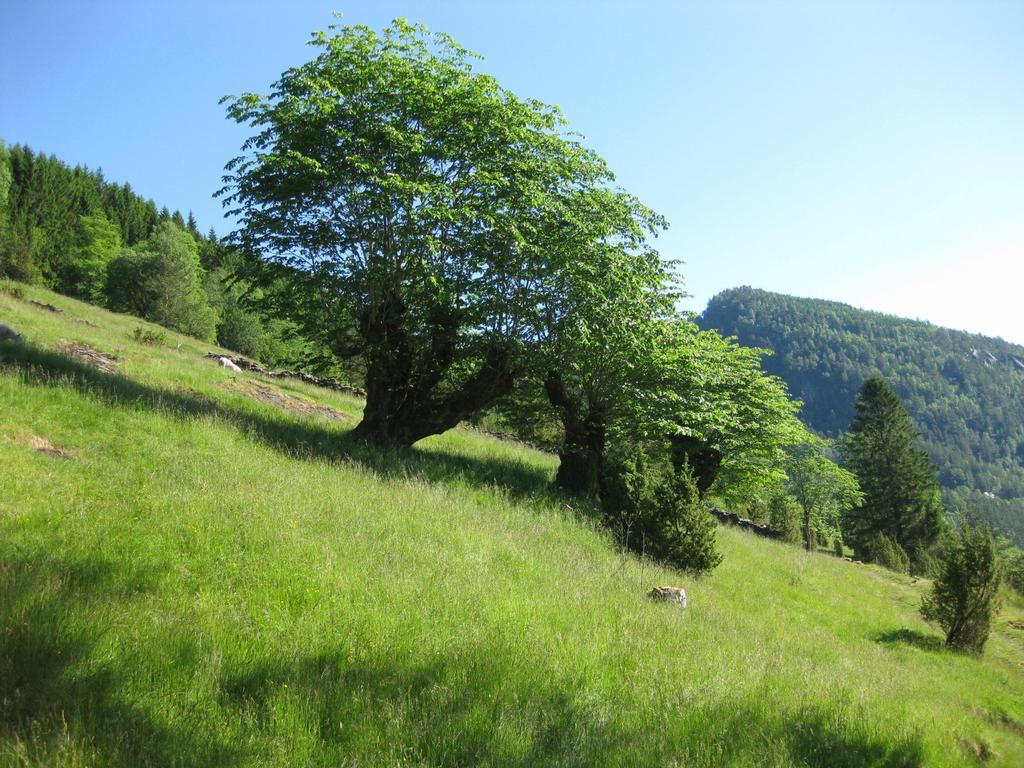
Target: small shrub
{"points": [[1015, 572], [240, 329], [658, 512], [13, 290], [966, 595], [886, 552], [837, 546], [784, 516], [153, 338]]}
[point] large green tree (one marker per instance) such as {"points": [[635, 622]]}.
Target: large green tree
{"points": [[174, 281], [727, 420], [822, 488], [421, 213], [601, 346], [898, 479]]}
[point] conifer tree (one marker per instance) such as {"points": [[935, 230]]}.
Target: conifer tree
{"points": [[966, 595], [898, 479], [655, 509], [5, 181]]}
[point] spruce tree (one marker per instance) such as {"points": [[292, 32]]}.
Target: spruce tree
{"points": [[898, 479]]}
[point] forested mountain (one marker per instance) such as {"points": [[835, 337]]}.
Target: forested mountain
{"points": [[964, 391]]}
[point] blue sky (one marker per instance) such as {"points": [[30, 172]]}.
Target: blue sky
{"points": [[866, 152]]}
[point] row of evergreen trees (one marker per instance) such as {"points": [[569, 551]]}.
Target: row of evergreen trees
{"points": [[73, 231]]}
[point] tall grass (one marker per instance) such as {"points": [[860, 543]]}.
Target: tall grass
{"points": [[207, 581]]}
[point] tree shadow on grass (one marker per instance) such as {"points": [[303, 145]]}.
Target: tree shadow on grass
{"points": [[57, 697], [469, 708], [489, 708], [298, 438], [830, 740], [826, 735], [912, 637]]}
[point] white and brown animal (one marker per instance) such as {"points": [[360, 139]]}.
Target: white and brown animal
{"points": [[674, 595], [9, 334], [227, 362]]}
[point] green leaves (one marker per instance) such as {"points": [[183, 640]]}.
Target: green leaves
{"points": [[965, 597], [388, 169], [824, 490], [713, 390]]}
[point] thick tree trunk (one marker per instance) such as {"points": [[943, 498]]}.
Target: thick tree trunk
{"points": [[402, 402], [581, 459]]}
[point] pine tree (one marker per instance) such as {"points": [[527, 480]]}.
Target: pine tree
{"points": [[898, 480], [6, 177]]}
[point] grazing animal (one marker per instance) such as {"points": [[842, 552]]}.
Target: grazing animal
{"points": [[226, 362], [9, 334], [669, 595]]}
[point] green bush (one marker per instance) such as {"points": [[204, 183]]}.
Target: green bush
{"points": [[1014, 572], [163, 282], [126, 289], [153, 338], [242, 330], [12, 289], [837, 546], [884, 551], [657, 512], [966, 595], [784, 516]]}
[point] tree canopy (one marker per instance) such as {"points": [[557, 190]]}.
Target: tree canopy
{"points": [[729, 420], [823, 489], [425, 213]]}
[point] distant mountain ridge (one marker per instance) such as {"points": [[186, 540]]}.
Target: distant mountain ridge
{"points": [[965, 391]]}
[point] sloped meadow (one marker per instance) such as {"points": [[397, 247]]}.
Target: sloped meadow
{"points": [[198, 576]]}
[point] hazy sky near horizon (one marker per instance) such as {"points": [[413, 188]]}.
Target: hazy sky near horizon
{"points": [[866, 152]]}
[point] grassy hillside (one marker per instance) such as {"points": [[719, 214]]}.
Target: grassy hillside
{"points": [[199, 568]]}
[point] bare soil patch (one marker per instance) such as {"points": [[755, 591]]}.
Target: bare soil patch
{"points": [[42, 445], [47, 307], [285, 402], [89, 356]]}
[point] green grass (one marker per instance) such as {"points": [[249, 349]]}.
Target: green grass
{"points": [[208, 580]]}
